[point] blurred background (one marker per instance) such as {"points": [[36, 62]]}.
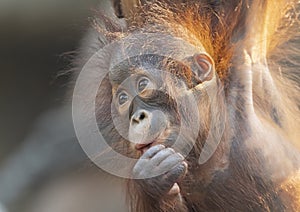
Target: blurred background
{"points": [[42, 167]]}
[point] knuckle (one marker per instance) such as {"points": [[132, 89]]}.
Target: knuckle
{"points": [[179, 156], [143, 174], [170, 150], [180, 168], [135, 171]]}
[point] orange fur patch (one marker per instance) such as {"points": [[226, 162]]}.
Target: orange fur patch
{"points": [[290, 192]]}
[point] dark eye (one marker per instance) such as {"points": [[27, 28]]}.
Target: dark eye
{"points": [[142, 84], [123, 98]]}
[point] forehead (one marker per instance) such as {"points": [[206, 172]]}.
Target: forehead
{"points": [[135, 65]]}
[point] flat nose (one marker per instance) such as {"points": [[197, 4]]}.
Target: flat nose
{"points": [[139, 116]]}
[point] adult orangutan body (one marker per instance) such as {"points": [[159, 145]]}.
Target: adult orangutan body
{"points": [[238, 67]]}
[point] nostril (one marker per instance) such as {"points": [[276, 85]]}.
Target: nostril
{"points": [[138, 117], [142, 116], [135, 121]]}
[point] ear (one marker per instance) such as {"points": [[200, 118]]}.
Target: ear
{"points": [[117, 4], [124, 8], [203, 67]]}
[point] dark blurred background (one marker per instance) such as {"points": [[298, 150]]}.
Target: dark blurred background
{"points": [[35, 121], [33, 37]]}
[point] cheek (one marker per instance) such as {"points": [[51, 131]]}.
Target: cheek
{"points": [[123, 111], [120, 119], [159, 120]]}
